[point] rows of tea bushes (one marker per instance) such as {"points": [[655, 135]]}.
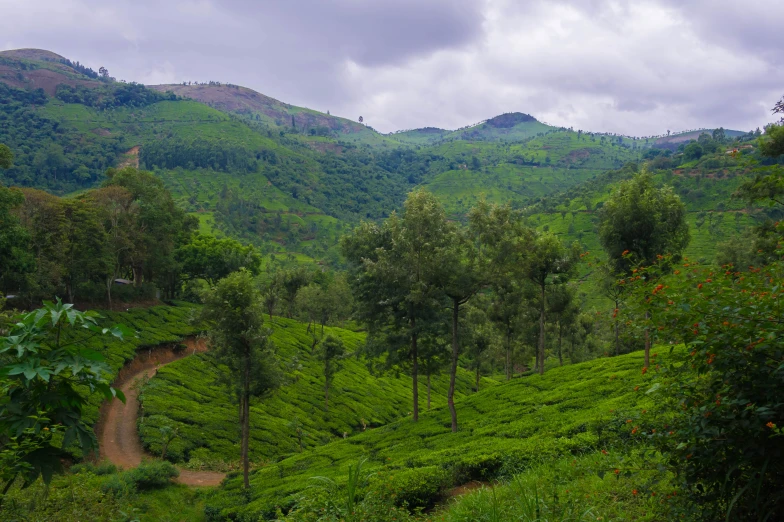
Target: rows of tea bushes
{"points": [[572, 410], [187, 395], [153, 326]]}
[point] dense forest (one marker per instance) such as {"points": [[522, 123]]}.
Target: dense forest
{"points": [[537, 325]]}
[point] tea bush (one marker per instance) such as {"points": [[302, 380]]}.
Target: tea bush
{"points": [[505, 429], [187, 395]]}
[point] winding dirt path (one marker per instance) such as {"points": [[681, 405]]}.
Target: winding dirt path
{"points": [[118, 439]]}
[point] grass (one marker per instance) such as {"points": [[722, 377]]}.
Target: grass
{"points": [[92, 493], [185, 395], [569, 489], [504, 429]]}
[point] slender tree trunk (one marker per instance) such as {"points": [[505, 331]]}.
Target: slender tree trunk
{"points": [[428, 390], [541, 336], [246, 421], [109, 283], [560, 338], [477, 377], [450, 397], [415, 370]]}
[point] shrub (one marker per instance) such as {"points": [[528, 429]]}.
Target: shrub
{"points": [[417, 487], [118, 486], [152, 475], [724, 390]]}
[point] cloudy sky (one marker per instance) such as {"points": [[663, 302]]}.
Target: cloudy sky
{"points": [[635, 67]]}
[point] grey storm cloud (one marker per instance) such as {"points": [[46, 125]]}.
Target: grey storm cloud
{"points": [[631, 66]]}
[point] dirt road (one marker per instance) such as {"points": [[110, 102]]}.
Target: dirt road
{"points": [[118, 439]]}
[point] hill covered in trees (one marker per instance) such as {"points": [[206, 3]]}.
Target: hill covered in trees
{"points": [[285, 178]]}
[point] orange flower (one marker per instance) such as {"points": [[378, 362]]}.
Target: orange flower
{"points": [[624, 252], [771, 425], [634, 492]]}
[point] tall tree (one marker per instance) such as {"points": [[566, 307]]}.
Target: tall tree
{"points": [[548, 262], [158, 227], [235, 315], [396, 270], [211, 259], [86, 257], [463, 273], [44, 217], [331, 353], [564, 309], [639, 222], [504, 246], [15, 258], [118, 213]]}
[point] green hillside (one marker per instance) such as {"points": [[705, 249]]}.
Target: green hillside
{"points": [[186, 395], [570, 411], [278, 115]]}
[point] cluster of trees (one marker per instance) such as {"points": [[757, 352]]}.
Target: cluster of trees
{"points": [[112, 96], [415, 273], [220, 155], [48, 154], [128, 229]]}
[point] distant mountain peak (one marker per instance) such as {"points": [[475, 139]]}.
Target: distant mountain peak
{"points": [[510, 119], [32, 54]]}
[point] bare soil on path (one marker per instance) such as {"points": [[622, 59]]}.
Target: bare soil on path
{"points": [[118, 438]]}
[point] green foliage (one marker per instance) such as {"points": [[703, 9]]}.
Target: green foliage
{"points": [[640, 222], [111, 96], [102, 493], [722, 392], [15, 261], [186, 395], [152, 475], [570, 410], [573, 489], [234, 316], [6, 157], [211, 259], [42, 375]]}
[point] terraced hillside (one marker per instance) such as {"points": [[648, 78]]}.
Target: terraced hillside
{"points": [[186, 395], [573, 410]]}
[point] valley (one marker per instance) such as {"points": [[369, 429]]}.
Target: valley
{"points": [[299, 318]]}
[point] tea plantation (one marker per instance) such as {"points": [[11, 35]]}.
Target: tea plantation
{"points": [[187, 395], [504, 429], [153, 326]]}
